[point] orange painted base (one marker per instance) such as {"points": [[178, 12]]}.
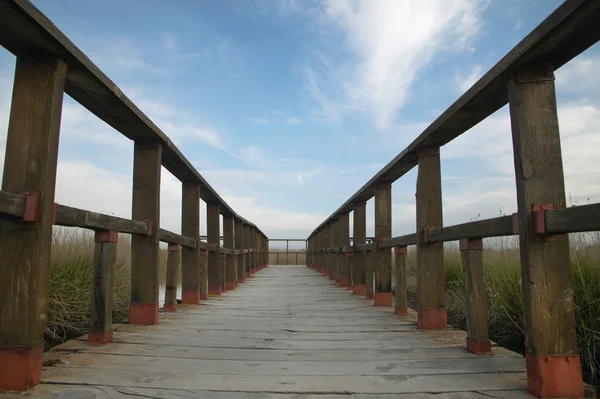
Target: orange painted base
{"points": [[332, 277], [100, 338], [349, 288], [191, 297], [401, 311], [322, 271], [343, 282], [214, 290], [230, 285], [169, 307], [359, 289], [554, 376], [479, 348], [370, 297], [143, 313], [383, 299], [20, 367], [432, 318], [203, 297], [240, 280], [248, 274]]}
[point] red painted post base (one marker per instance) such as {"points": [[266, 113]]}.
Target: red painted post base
{"points": [[240, 280], [248, 275], [100, 338], [230, 285], [170, 307], [322, 270], [359, 289], [349, 288], [191, 297], [554, 376], [384, 299], [343, 282], [20, 367], [203, 297], [401, 311], [479, 348], [332, 277], [432, 318], [214, 290], [143, 313], [370, 297]]}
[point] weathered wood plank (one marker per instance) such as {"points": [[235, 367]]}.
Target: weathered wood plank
{"points": [[401, 241], [190, 256], [496, 227], [174, 238], [574, 219], [383, 256], [214, 258]]}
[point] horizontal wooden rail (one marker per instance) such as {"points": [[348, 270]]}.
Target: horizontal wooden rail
{"points": [[574, 219], [402, 241], [173, 238], [496, 227]]}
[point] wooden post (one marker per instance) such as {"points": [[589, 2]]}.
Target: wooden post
{"points": [[214, 257], [191, 280], [332, 236], [478, 341], [431, 308], [401, 302], [287, 251], [553, 364], [172, 278], [247, 232], [103, 284], [203, 279], [369, 275], [344, 241], [239, 245], [29, 167], [383, 257], [223, 269], [145, 266], [359, 258], [231, 274]]}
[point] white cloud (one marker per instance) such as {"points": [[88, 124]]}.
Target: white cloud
{"points": [[464, 82], [389, 42], [292, 121], [261, 121], [168, 42]]}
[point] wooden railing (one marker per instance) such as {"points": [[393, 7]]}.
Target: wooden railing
{"points": [[49, 65], [524, 79]]}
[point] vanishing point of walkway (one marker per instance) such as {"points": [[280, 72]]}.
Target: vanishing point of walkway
{"points": [[288, 332]]}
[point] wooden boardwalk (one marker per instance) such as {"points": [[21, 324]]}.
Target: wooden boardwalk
{"points": [[288, 332]]}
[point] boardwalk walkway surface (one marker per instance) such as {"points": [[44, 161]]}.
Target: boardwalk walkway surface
{"points": [[288, 332]]}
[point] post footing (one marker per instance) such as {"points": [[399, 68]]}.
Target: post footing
{"points": [[554, 376], [432, 318], [143, 313], [479, 348], [21, 367], [100, 338], [383, 299], [191, 297]]}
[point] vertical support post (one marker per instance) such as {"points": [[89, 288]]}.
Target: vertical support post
{"points": [[191, 279], [369, 275], [287, 252], [553, 364], [147, 160], [247, 232], [29, 166], [278, 258], [401, 302], [213, 229], [344, 241], [223, 270], [431, 302], [228, 230], [203, 280], [103, 284], [172, 278], [359, 258], [383, 257], [331, 237], [239, 245], [478, 341]]}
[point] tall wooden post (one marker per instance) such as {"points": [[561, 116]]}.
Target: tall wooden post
{"points": [[553, 364], [203, 279], [172, 278], [343, 241], [29, 167], [214, 257], [103, 284], [333, 242], [359, 258], [401, 302], [247, 233], [223, 269], [369, 275], [383, 230], [190, 257], [239, 245], [431, 311], [147, 160], [231, 274]]}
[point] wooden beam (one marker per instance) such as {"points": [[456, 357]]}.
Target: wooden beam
{"points": [[574, 219], [548, 301], [344, 241], [496, 227], [29, 166], [214, 258], [174, 238], [359, 227], [239, 245], [246, 238], [228, 238], [190, 257], [172, 277], [383, 230], [431, 309], [400, 241]]}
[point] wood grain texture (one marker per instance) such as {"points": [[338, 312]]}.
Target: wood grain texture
{"points": [[190, 227], [239, 245], [213, 228], [475, 299], [103, 284], [228, 242], [574, 219], [400, 299], [383, 229], [173, 261], [30, 165], [496, 227]]}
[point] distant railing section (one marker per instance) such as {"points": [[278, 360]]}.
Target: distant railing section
{"points": [[524, 79]]}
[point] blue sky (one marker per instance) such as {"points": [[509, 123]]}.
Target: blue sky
{"points": [[287, 107]]}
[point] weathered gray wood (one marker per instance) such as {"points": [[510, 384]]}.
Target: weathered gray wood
{"points": [[172, 277], [29, 166], [191, 280], [174, 238], [383, 256], [401, 241], [344, 241], [145, 250], [496, 227], [370, 275], [214, 257], [574, 219], [105, 259], [228, 238], [548, 304], [239, 245], [401, 301]]}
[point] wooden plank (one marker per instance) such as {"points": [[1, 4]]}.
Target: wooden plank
{"points": [[191, 280], [29, 166], [383, 256], [574, 219], [214, 258], [401, 241], [366, 247], [174, 238], [145, 250], [25, 31], [564, 34], [545, 268], [496, 227], [103, 284], [430, 256]]}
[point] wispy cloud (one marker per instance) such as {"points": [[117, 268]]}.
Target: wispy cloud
{"points": [[464, 82], [292, 121], [261, 121]]}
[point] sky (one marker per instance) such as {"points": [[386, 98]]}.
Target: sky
{"points": [[287, 107]]}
